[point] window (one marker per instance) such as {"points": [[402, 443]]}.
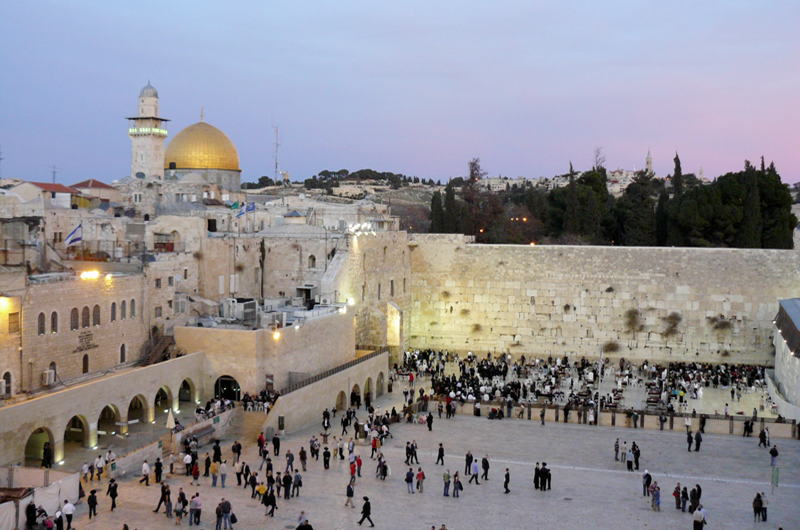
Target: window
{"points": [[41, 324], [86, 364], [85, 317], [158, 283], [391, 287], [158, 312], [185, 273], [312, 262], [404, 285], [133, 308], [122, 310], [96, 315], [169, 304], [170, 281], [113, 311], [54, 322], [122, 354], [74, 323], [53, 368], [13, 322], [180, 303], [379, 291]]}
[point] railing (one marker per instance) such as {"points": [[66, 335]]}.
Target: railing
{"points": [[332, 371]]}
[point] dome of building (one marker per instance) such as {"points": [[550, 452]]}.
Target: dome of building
{"points": [[201, 146], [148, 92]]}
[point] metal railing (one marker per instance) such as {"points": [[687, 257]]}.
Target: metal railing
{"points": [[332, 371]]}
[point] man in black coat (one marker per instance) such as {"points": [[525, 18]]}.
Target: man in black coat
{"points": [[537, 475], [440, 458], [276, 444], [544, 477], [468, 466], [366, 511], [689, 440], [485, 467]]}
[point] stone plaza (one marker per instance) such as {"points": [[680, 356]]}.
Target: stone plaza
{"points": [[589, 487]]}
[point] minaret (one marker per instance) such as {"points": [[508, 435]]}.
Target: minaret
{"points": [[147, 132], [648, 164]]}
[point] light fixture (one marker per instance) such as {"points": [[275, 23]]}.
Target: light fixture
{"points": [[94, 448], [276, 335], [351, 301], [90, 275], [61, 463]]}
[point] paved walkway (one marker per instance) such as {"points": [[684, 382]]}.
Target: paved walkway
{"points": [[589, 487]]}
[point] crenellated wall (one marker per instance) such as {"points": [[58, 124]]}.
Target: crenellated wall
{"points": [[557, 300]]}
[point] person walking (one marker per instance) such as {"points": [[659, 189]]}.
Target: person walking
{"points": [[773, 453], [276, 444], [677, 494], [195, 475], [758, 505], [270, 502], [163, 498], [468, 465], [326, 458], [440, 457], [287, 485], [689, 440], [351, 489], [429, 421], [763, 507], [446, 480], [657, 499], [366, 511], [624, 452], [68, 510], [214, 470], [359, 463], [303, 458], [297, 483], [475, 473], [537, 474], [541, 415], [698, 439], [158, 468], [420, 480], [226, 514], [646, 481], [485, 466], [629, 460], [145, 474], [112, 492], [616, 450], [457, 486], [91, 501], [198, 508], [506, 480]]}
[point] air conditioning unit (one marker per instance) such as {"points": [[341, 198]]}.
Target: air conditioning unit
{"points": [[48, 377], [325, 301], [297, 301], [3, 388]]}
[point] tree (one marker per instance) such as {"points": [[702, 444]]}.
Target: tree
{"points": [[677, 177], [572, 212], [599, 158], [437, 214], [475, 171], [662, 218], [749, 232], [451, 222]]}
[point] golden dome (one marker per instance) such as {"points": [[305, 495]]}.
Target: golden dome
{"points": [[201, 146]]}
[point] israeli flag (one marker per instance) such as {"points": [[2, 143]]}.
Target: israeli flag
{"points": [[74, 237], [251, 207], [241, 212]]}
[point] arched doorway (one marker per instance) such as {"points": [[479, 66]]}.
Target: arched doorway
{"points": [[163, 401], [138, 413], [228, 388], [341, 401], [369, 395], [76, 434], [355, 396], [379, 385], [107, 422], [186, 394], [7, 381], [34, 448]]}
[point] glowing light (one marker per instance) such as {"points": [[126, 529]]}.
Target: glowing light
{"points": [[533, 244], [94, 448], [276, 335], [3, 303], [351, 301], [90, 275], [343, 310], [481, 230], [61, 463], [297, 326], [525, 219]]}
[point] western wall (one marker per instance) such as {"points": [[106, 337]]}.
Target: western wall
{"points": [[663, 304]]}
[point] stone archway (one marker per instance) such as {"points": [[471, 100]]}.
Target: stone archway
{"points": [[369, 392], [107, 422], [227, 387], [76, 434], [341, 401], [355, 396], [187, 393], [379, 385], [34, 447], [139, 413]]}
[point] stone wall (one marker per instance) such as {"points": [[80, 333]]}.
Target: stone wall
{"points": [[249, 355], [576, 300], [787, 373], [375, 274]]}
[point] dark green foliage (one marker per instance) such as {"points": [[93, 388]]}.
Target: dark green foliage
{"points": [[662, 218], [437, 214], [452, 222]]}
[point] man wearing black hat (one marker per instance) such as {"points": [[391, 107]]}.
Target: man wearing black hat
{"points": [[366, 510]]}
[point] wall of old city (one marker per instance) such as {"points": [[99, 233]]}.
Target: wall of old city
{"points": [[375, 274], [574, 300], [103, 343], [250, 355], [168, 281]]}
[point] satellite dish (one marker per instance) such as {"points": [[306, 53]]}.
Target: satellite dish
{"points": [[178, 278]]}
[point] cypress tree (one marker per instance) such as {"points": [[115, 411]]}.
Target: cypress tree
{"points": [[677, 177], [572, 212], [437, 214], [749, 233], [662, 219], [451, 223]]}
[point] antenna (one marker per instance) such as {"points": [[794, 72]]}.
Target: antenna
{"points": [[55, 169], [1, 160], [277, 143]]}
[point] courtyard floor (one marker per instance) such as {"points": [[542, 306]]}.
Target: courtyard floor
{"points": [[589, 487]]}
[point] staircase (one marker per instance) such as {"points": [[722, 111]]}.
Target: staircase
{"points": [[246, 426], [158, 351]]}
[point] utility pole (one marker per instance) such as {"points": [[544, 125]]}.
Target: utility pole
{"points": [[276, 154], [1, 161], [55, 170]]}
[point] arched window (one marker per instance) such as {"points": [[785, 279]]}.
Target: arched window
{"points": [[53, 322], [53, 368], [7, 379], [122, 354], [96, 316], [113, 311], [312, 262], [41, 324], [122, 310], [74, 322], [85, 317], [86, 364], [133, 308]]}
